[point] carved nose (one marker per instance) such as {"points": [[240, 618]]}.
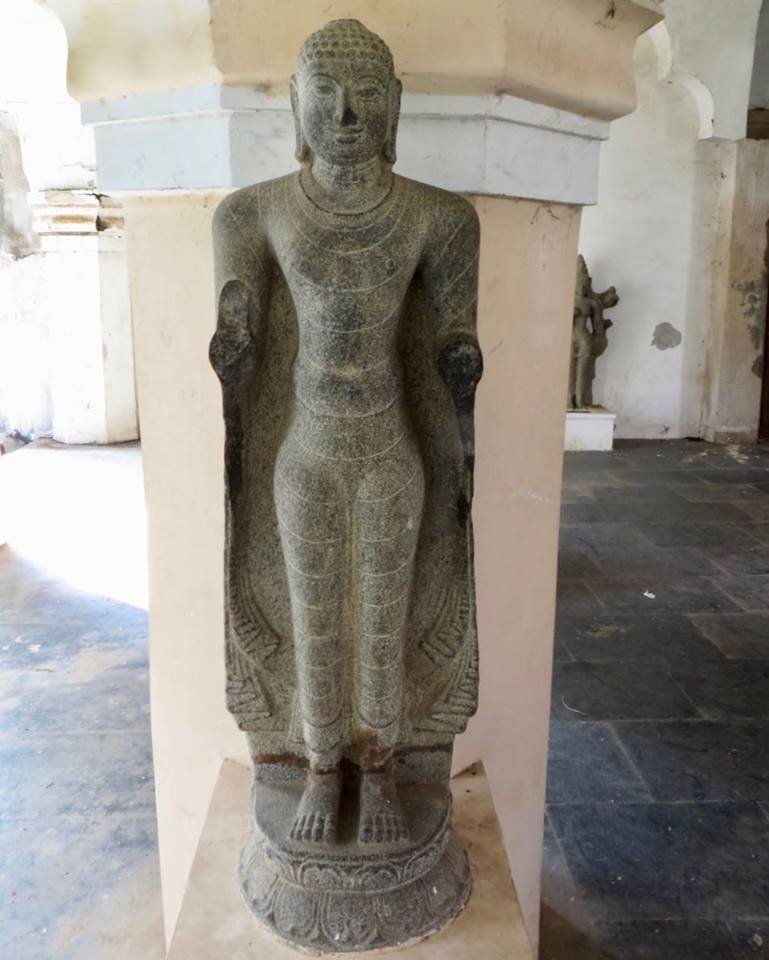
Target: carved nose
{"points": [[349, 117]]}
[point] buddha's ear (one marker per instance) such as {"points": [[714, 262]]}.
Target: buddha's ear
{"points": [[302, 150], [388, 152]]}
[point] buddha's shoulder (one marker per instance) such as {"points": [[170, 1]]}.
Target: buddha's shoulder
{"points": [[440, 203], [254, 203]]}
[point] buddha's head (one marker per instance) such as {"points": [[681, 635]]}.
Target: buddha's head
{"points": [[345, 96]]}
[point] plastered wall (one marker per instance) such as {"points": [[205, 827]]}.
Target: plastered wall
{"points": [[655, 236], [735, 360], [525, 307], [680, 230]]}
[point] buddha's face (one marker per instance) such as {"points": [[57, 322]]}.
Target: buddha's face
{"points": [[344, 109]]}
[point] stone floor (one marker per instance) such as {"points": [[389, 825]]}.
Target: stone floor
{"points": [[657, 834], [79, 876]]}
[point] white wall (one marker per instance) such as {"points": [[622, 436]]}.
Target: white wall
{"points": [[66, 350], [674, 230], [759, 86], [650, 236]]}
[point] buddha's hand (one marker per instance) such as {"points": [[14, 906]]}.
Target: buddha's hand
{"points": [[460, 365], [232, 340]]}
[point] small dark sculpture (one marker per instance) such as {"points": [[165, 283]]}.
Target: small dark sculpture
{"points": [[588, 338], [347, 353]]}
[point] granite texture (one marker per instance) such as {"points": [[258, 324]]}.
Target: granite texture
{"points": [[348, 358]]}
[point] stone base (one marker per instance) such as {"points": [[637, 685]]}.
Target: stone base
{"points": [[353, 896], [589, 429], [214, 924]]}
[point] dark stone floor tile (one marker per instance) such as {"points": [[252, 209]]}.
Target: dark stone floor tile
{"points": [[636, 861], [699, 535], [669, 940], [681, 595], [752, 937], [637, 940], [576, 493], [624, 493], [62, 774], [576, 599], [656, 476], [639, 511], [700, 760], [758, 530], [563, 939], [749, 592], [558, 892], [654, 562], [595, 537], [714, 492], [587, 765], [636, 637], [740, 636], [575, 563], [733, 475], [726, 689], [587, 462], [560, 650], [686, 454], [617, 690], [755, 510], [747, 562], [594, 512]]}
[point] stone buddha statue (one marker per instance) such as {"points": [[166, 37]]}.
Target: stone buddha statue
{"points": [[347, 353]]}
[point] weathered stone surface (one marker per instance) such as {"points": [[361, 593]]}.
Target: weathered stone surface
{"points": [[588, 338], [348, 357]]}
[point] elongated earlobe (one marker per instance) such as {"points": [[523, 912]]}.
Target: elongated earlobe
{"points": [[388, 153], [302, 151]]}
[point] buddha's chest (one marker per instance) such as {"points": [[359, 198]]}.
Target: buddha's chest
{"points": [[348, 272]]}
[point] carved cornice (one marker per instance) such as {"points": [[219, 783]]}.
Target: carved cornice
{"points": [[575, 55]]}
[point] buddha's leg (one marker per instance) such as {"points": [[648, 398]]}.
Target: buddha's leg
{"points": [[312, 531], [388, 515]]}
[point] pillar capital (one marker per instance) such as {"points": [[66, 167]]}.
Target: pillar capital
{"points": [[511, 100]]}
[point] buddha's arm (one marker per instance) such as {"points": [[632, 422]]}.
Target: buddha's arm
{"points": [[451, 287], [243, 272]]}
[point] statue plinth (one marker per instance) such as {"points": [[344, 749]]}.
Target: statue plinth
{"points": [[348, 897]]}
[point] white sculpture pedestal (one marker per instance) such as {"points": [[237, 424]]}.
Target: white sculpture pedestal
{"points": [[589, 429], [214, 923]]}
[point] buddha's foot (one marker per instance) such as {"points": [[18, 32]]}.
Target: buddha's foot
{"points": [[381, 816], [318, 812]]}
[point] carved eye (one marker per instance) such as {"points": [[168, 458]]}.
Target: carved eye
{"points": [[323, 88], [368, 93]]}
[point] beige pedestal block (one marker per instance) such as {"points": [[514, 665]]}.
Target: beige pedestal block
{"points": [[214, 923]]}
